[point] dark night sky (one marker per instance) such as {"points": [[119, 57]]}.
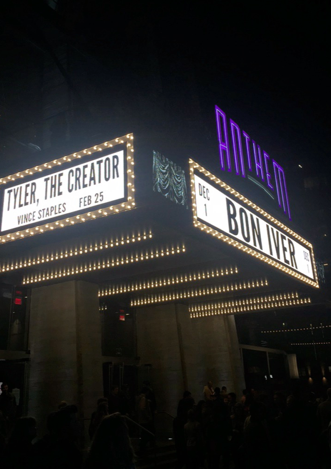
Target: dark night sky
{"points": [[266, 65], [273, 59], [272, 62]]}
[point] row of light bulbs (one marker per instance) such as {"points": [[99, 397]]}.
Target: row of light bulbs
{"points": [[238, 244], [68, 158], [296, 329], [311, 343], [196, 292], [167, 281], [113, 209], [75, 250], [253, 307], [104, 212], [242, 302], [61, 272]]}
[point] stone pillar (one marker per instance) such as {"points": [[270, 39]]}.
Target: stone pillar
{"points": [[211, 351], [157, 344], [186, 353], [65, 345]]}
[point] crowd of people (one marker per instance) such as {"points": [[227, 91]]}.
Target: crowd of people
{"points": [[253, 432], [63, 445], [219, 431]]}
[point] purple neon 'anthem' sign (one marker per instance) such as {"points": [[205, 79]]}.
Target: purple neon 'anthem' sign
{"points": [[246, 153]]}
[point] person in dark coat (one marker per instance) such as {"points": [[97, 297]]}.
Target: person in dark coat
{"points": [[195, 443], [184, 406], [111, 447], [97, 415], [218, 431], [19, 452], [8, 407], [58, 449], [114, 399]]}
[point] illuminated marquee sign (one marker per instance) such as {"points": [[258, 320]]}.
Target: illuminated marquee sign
{"points": [[101, 184], [224, 213], [248, 156]]}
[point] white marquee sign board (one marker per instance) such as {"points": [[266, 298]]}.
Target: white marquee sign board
{"points": [[87, 184], [223, 212]]}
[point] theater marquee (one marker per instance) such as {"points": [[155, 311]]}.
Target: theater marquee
{"points": [[100, 185], [221, 211]]}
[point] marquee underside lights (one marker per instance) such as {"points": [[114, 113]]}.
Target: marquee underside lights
{"points": [[298, 329], [211, 306], [224, 213], [105, 263], [248, 307], [165, 281], [102, 186], [197, 292], [311, 343], [84, 247]]}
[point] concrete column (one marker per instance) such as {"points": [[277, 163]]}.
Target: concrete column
{"points": [[186, 353], [157, 344], [65, 345], [211, 352]]}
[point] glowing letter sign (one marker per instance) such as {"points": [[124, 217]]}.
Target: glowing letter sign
{"points": [[256, 159], [98, 186], [220, 210]]}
